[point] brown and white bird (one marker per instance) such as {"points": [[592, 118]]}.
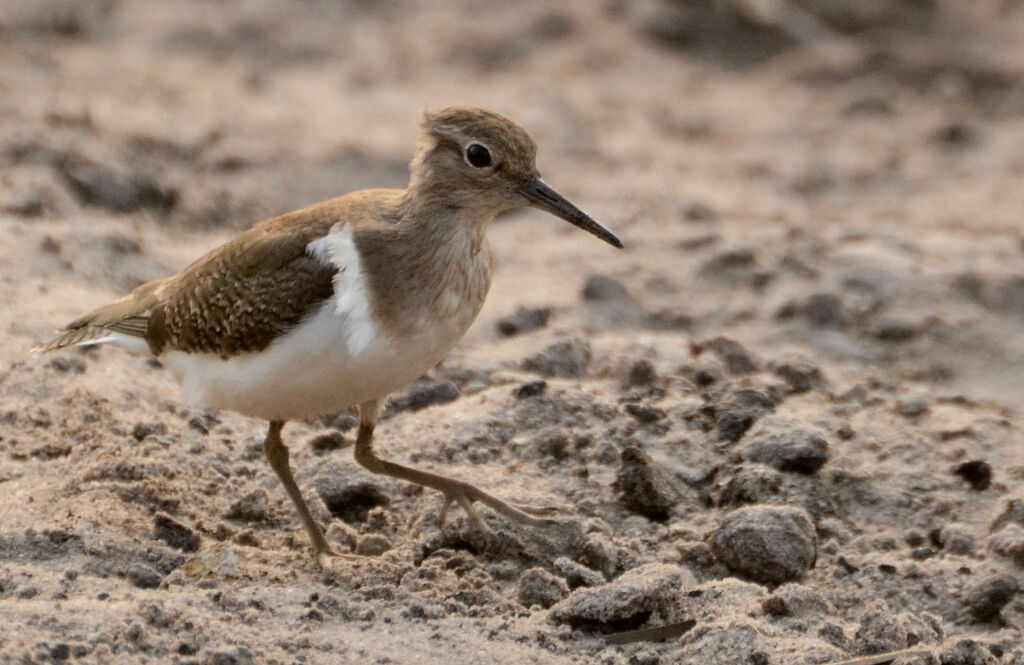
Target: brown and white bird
{"points": [[343, 302]]}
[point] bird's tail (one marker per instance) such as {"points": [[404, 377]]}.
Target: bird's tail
{"points": [[127, 318]]}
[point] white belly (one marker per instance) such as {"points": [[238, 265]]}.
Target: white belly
{"points": [[310, 371]]}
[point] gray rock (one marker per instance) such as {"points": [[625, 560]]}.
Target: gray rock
{"points": [[576, 574], [420, 395], [800, 375], [736, 358], [349, 493], [539, 587], [524, 320], [567, 357], [880, 630], [797, 600], [143, 576], [630, 597], [253, 507], [643, 487], [770, 544], [825, 310], [372, 544], [739, 412], [987, 597], [786, 446], [174, 533], [967, 652], [725, 643]]}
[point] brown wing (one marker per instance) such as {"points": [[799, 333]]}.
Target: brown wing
{"points": [[242, 295], [242, 298]]}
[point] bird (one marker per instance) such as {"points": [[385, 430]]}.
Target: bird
{"points": [[343, 302]]}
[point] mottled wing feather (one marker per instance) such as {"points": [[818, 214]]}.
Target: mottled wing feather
{"points": [[242, 298]]}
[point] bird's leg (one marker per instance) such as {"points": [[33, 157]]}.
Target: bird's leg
{"points": [[453, 490], [277, 455]]}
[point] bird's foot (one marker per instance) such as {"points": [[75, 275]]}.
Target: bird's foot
{"points": [[456, 491]]}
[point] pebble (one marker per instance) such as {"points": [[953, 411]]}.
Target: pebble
{"points": [[523, 320], [327, 442], [567, 357], [143, 430], [768, 544], [643, 486], [372, 544], [631, 596], [174, 533], [349, 493], [539, 587], [800, 376], [978, 473], [912, 407], [797, 600], [967, 652], [786, 446], [143, 576], [576, 574], [825, 310], [987, 597], [736, 358], [253, 507], [420, 395], [740, 412]]}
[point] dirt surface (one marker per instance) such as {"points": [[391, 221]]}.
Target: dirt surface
{"points": [[782, 423]]}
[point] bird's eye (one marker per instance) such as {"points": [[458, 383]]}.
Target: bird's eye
{"points": [[478, 156]]}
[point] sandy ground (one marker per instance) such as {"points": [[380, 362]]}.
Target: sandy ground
{"points": [[787, 412]]}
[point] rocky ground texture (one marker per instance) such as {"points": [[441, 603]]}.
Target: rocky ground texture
{"points": [[782, 426]]}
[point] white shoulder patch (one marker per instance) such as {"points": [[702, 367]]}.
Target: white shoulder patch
{"points": [[351, 295]]}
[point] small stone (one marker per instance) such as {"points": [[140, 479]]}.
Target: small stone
{"points": [[600, 554], [912, 407], [576, 574], [976, 472], [769, 544], [641, 373], [699, 212], [530, 389], [372, 544], [797, 600], [143, 576], [825, 310], [740, 412], [643, 487], [143, 430], [539, 587], [707, 371], [786, 447], [349, 493], [736, 358], [327, 442], [626, 600], [986, 598], [174, 533], [879, 631], [967, 652], [956, 539], [567, 357], [801, 376], [603, 287], [421, 395], [644, 413], [67, 365], [253, 507], [524, 320]]}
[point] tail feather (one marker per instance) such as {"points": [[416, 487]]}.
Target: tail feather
{"points": [[127, 316]]}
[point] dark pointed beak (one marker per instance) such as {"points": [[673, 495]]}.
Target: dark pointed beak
{"points": [[541, 196]]}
